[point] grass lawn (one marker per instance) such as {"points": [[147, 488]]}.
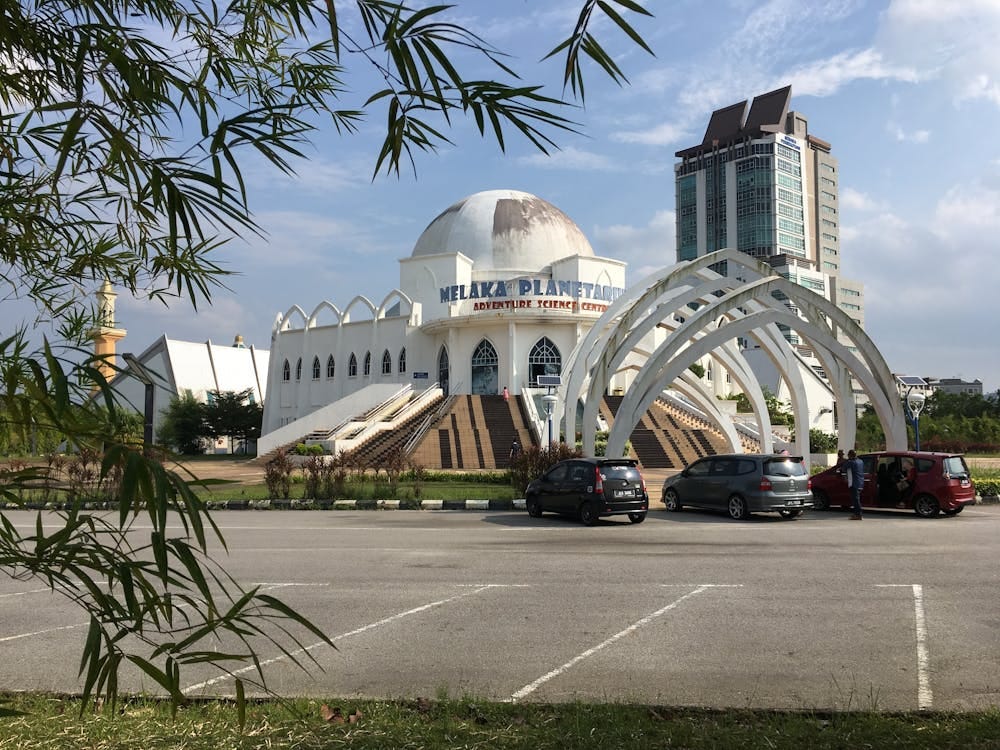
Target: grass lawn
{"points": [[54, 722]]}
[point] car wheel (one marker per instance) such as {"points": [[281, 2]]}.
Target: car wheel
{"points": [[671, 500], [738, 508], [534, 507], [926, 506], [820, 500], [588, 514], [637, 517], [784, 513]]}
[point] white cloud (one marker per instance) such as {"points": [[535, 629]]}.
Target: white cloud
{"points": [[825, 77], [903, 136], [954, 42], [570, 158], [645, 248], [964, 212], [858, 201], [930, 284], [659, 135]]}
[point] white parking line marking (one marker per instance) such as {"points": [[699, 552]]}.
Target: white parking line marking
{"points": [[5, 639], [532, 687], [41, 632], [25, 593], [370, 626], [925, 697]]}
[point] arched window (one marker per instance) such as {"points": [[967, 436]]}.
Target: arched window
{"points": [[286, 371], [402, 359], [386, 363], [543, 359], [352, 366], [485, 369], [315, 368], [298, 369], [330, 368], [368, 364]]}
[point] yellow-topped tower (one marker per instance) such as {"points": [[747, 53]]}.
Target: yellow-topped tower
{"points": [[106, 334]]}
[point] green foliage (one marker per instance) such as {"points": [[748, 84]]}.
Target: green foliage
{"points": [[153, 598], [124, 132], [475, 722], [776, 409], [314, 449], [533, 461], [956, 423], [822, 442], [986, 487], [183, 425], [233, 415], [698, 369], [278, 475]]}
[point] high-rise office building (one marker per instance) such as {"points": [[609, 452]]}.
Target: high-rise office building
{"points": [[761, 183]]}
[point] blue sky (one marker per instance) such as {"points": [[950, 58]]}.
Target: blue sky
{"points": [[906, 91]]}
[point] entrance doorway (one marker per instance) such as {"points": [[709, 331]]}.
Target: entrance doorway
{"points": [[485, 370]]}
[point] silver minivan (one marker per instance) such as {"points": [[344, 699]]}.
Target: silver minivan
{"points": [[741, 484]]}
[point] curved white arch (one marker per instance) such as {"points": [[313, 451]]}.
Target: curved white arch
{"points": [[666, 364], [286, 319], [361, 300], [324, 305], [405, 306], [750, 310]]}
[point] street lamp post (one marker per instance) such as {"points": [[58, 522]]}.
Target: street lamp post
{"points": [[138, 370], [914, 404], [549, 400]]}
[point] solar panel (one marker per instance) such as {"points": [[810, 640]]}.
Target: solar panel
{"points": [[911, 380], [550, 380]]}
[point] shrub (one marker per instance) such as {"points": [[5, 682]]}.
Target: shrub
{"points": [[315, 449], [533, 461], [278, 475]]}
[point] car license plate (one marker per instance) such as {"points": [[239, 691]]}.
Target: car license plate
{"points": [[795, 502], [624, 493]]}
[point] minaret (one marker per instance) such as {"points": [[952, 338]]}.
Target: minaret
{"points": [[105, 334]]}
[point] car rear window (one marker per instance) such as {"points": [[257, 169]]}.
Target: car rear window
{"points": [[784, 467], [954, 466], [619, 471]]}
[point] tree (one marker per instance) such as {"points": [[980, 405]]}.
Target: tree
{"points": [[123, 129], [232, 415], [183, 425]]}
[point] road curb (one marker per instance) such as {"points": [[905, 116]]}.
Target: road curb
{"points": [[296, 504]]}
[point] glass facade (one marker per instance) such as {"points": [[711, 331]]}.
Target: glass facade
{"points": [[687, 217]]}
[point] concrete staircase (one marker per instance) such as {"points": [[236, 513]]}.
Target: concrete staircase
{"points": [[475, 433], [662, 440]]}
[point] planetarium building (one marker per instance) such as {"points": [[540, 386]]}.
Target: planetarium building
{"points": [[501, 289], [498, 290]]}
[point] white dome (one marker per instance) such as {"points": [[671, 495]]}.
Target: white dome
{"points": [[504, 230]]}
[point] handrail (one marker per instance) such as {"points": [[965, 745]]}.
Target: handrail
{"points": [[430, 419], [369, 415]]}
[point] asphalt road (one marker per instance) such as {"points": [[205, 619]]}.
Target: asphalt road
{"points": [[893, 613]]}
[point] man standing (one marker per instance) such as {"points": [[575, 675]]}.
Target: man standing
{"points": [[855, 471]]}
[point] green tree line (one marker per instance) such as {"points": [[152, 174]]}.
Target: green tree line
{"points": [[961, 423], [188, 425]]}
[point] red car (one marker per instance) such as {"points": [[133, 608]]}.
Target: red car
{"points": [[929, 483]]}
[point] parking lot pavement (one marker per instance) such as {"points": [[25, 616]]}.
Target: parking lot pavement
{"points": [[688, 610]]}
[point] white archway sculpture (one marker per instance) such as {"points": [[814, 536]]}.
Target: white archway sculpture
{"points": [[699, 313]]}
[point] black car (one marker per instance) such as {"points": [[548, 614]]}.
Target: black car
{"points": [[589, 488]]}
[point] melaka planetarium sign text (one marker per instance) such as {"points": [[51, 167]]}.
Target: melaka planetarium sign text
{"points": [[527, 293]]}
